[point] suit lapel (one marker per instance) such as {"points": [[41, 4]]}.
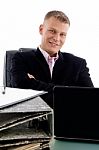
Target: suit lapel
{"points": [[58, 66], [42, 62], [61, 68]]}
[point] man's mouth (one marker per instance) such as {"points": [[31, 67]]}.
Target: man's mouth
{"points": [[54, 44]]}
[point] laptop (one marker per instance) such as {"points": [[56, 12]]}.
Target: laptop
{"points": [[76, 113]]}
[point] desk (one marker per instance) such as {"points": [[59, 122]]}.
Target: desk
{"points": [[68, 145]]}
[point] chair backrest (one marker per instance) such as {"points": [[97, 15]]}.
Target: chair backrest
{"points": [[7, 64]]}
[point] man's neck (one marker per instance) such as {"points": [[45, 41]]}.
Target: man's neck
{"points": [[51, 55]]}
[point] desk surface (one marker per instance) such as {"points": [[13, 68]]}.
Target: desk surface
{"points": [[68, 145]]}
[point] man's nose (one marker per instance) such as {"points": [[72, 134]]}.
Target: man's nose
{"points": [[57, 37]]}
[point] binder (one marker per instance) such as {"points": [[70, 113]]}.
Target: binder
{"points": [[26, 122], [10, 96]]}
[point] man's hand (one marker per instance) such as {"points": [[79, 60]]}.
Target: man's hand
{"points": [[31, 76]]}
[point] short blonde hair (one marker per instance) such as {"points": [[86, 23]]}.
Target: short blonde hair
{"points": [[58, 15]]}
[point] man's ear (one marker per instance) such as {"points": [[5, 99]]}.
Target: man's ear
{"points": [[41, 29]]}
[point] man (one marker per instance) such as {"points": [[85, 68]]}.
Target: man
{"points": [[47, 66]]}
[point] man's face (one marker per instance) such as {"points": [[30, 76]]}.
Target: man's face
{"points": [[53, 34]]}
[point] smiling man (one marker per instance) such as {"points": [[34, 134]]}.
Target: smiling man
{"points": [[47, 66], [53, 32]]}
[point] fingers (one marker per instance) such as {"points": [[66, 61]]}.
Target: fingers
{"points": [[30, 76]]}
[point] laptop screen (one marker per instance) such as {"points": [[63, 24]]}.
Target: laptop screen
{"points": [[76, 113]]}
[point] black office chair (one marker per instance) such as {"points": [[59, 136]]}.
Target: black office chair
{"points": [[7, 64]]}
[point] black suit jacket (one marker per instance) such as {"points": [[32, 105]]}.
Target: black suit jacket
{"points": [[69, 70]]}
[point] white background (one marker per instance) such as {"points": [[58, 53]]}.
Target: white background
{"points": [[20, 20]]}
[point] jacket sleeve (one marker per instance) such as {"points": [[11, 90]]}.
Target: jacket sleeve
{"points": [[83, 78], [20, 79]]}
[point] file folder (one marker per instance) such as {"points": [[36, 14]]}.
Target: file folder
{"points": [[26, 122]]}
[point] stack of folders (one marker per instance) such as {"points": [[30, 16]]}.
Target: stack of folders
{"points": [[26, 125]]}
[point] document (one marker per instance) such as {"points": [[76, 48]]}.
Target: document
{"points": [[14, 95]]}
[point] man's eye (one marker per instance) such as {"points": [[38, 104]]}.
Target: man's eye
{"points": [[51, 31], [63, 35]]}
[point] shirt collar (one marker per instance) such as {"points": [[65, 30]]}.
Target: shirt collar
{"points": [[46, 55]]}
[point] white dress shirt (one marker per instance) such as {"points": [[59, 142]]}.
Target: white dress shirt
{"points": [[50, 60]]}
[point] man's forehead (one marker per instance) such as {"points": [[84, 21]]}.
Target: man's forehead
{"points": [[58, 26]]}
